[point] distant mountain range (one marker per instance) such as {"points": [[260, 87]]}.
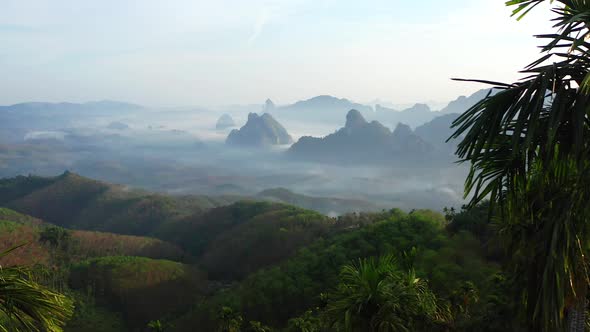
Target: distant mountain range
{"points": [[437, 131], [41, 115], [463, 103], [19, 120], [330, 110], [413, 116], [259, 131], [360, 141], [36, 107], [323, 109], [320, 109]]}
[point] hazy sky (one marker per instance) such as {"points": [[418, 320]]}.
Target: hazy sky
{"points": [[211, 52]]}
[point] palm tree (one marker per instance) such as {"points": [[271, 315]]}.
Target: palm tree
{"points": [[374, 295], [27, 306], [529, 149]]}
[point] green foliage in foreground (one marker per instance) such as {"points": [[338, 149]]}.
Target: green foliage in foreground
{"points": [[28, 306], [529, 150], [274, 295], [375, 295], [90, 317], [142, 289], [300, 285]]}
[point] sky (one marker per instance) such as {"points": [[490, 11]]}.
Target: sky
{"points": [[222, 52]]}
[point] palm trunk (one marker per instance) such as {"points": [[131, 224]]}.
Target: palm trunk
{"points": [[576, 317]]}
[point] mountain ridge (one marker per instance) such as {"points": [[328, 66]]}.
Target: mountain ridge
{"points": [[360, 141]]}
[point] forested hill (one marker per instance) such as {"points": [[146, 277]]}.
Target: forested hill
{"points": [[261, 263], [459, 268], [71, 200], [146, 278], [205, 228]]}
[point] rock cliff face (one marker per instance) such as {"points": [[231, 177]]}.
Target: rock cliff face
{"points": [[406, 141], [437, 131], [360, 141], [259, 131]]}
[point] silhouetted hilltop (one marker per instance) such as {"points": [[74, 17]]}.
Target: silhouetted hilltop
{"points": [[413, 116], [437, 131], [269, 106], [405, 141], [324, 109], [225, 121], [463, 103], [360, 141], [259, 131]]}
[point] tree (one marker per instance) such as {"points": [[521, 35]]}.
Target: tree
{"points": [[374, 295], [529, 149], [56, 236], [255, 326], [229, 321], [309, 321], [28, 306], [155, 326], [462, 299]]}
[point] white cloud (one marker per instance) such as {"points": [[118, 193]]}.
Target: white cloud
{"points": [[263, 18]]}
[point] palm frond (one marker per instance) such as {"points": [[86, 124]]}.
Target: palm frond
{"points": [[27, 306]]}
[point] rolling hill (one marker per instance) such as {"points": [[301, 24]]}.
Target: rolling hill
{"points": [[142, 289], [72, 201], [268, 262], [40, 248], [229, 240], [233, 241]]}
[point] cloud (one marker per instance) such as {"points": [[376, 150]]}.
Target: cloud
{"points": [[262, 19]]}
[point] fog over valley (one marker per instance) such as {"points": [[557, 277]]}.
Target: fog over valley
{"points": [[187, 150]]}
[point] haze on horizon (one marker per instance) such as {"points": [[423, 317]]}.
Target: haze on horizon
{"points": [[237, 52]]}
